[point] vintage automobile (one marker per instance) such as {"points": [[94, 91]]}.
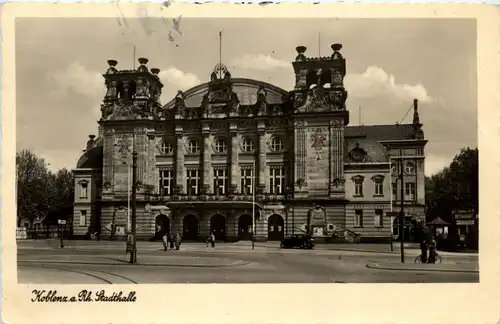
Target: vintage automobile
{"points": [[302, 241]]}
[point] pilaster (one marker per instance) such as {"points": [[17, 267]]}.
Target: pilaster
{"points": [[336, 181], [205, 185], [261, 161], [179, 160], [108, 159], [152, 174], [300, 167], [233, 184], [140, 145]]}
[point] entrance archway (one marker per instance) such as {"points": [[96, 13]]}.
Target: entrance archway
{"points": [[245, 227], [190, 228], [275, 226], [218, 227], [162, 226]]}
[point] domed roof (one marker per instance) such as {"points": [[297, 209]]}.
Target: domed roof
{"points": [[91, 159], [245, 89]]}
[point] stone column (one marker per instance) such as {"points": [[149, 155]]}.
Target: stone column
{"points": [[179, 163], [206, 164], [233, 177], [300, 157], [261, 162]]}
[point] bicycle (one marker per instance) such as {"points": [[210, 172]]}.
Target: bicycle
{"points": [[438, 260]]}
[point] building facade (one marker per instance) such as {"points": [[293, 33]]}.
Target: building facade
{"points": [[208, 154]]}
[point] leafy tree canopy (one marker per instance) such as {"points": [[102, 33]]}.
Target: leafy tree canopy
{"points": [[456, 187]]}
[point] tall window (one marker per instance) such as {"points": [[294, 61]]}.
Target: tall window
{"points": [[247, 145], [83, 217], [358, 187], [84, 190], [394, 191], [379, 217], [358, 218], [193, 146], [247, 181], [220, 181], [220, 145], [166, 180], [277, 144], [193, 181], [277, 180], [410, 191], [166, 147], [379, 188]]}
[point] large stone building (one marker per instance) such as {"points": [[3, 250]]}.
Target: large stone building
{"points": [[203, 157]]}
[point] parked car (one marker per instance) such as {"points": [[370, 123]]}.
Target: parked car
{"points": [[298, 240]]}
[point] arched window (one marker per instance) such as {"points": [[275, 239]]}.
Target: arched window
{"points": [[84, 189], [277, 144], [220, 145], [193, 146], [248, 145]]}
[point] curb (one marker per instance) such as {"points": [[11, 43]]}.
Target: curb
{"points": [[379, 267], [125, 263]]}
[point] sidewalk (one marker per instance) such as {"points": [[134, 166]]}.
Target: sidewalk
{"points": [[236, 246], [466, 268]]}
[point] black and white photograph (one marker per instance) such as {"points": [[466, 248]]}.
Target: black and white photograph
{"points": [[183, 149], [288, 158]]}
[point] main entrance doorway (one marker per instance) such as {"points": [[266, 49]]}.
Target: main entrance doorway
{"points": [[245, 227], [275, 228], [218, 227], [162, 227], [190, 228]]}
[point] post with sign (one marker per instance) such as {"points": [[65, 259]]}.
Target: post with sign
{"points": [[60, 223], [131, 237]]}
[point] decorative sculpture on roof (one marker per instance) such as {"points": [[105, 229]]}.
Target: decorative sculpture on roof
{"points": [[357, 155], [319, 99], [180, 105], [261, 104]]}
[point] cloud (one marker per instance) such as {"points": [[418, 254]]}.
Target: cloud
{"points": [[376, 82], [259, 62], [179, 78], [78, 79]]}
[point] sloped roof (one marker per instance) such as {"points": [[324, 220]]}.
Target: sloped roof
{"points": [[245, 89], [381, 132], [374, 150], [438, 221]]}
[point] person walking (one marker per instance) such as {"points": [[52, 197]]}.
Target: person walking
{"points": [[423, 250], [171, 241], [212, 239], [177, 241], [165, 241]]}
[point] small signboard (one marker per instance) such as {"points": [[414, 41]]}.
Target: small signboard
{"points": [[465, 222], [61, 221], [130, 243]]}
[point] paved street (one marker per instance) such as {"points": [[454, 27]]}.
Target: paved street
{"points": [[85, 262]]}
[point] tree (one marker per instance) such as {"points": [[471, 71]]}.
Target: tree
{"points": [[41, 193], [455, 187]]}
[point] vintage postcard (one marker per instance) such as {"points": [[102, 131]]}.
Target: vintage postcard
{"points": [[182, 163]]}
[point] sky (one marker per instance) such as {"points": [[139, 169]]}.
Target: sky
{"points": [[60, 62]]}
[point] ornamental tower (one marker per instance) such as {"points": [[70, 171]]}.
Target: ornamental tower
{"points": [[319, 116]]}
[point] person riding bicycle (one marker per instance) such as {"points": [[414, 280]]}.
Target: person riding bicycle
{"points": [[423, 250], [432, 251]]}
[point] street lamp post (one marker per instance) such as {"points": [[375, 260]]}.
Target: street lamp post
{"points": [[402, 212], [253, 206], [133, 252]]}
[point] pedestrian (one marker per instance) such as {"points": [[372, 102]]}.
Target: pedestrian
{"points": [[208, 239], [177, 241], [432, 251], [171, 240], [212, 239], [165, 241], [423, 250]]}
